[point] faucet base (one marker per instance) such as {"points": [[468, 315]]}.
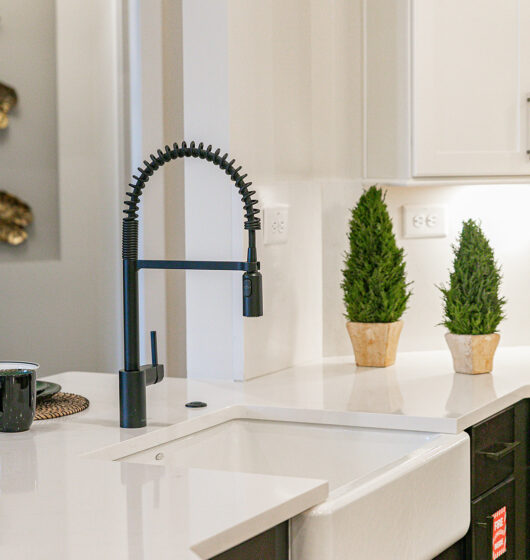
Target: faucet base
{"points": [[132, 393], [132, 399]]}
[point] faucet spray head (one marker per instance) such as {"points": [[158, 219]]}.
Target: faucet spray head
{"points": [[252, 294]]}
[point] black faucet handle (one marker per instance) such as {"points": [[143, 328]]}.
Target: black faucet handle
{"points": [[154, 372], [154, 349]]}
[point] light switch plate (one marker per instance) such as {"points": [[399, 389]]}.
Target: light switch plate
{"points": [[421, 221], [276, 224]]}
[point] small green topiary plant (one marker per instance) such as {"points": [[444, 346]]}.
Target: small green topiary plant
{"points": [[472, 303], [374, 279]]}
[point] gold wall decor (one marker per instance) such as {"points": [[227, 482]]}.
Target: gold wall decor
{"points": [[8, 100], [15, 216]]}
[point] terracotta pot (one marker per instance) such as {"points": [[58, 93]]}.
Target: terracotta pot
{"points": [[375, 344], [472, 353]]}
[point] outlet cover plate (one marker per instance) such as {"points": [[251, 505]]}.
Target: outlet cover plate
{"points": [[424, 220], [276, 224]]}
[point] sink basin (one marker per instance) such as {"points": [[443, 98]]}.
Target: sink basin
{"points": [[393, 494], [334, 453]]}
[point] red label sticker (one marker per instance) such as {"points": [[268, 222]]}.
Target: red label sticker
{"points": [[499, 533]]}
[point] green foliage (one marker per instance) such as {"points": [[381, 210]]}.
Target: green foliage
{"points": [[472, 304], [374, 280]]}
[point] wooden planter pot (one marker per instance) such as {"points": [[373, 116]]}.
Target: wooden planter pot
{"points": [[375, 344], [472, 353]]}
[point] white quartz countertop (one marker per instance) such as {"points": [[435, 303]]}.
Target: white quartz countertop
{"points": [[420, 392], [56, 504]]}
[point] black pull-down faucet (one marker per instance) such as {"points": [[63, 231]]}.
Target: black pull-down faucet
{"points": [[134, 378]]}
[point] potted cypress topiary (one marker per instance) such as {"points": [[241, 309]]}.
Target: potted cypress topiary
{"points": [[374, 282], [473, 307]]}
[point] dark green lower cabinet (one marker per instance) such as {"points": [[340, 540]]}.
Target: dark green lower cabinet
{"points": [[455, 552], [500, 489], [270, 545]]}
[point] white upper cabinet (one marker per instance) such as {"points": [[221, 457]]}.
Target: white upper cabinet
{"points": [[446, 87]]}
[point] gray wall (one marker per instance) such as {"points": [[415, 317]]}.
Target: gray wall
{"points": [[65, 312], [28, 148]]}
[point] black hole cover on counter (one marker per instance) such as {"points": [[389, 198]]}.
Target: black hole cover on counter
{"points": [[196, 404]]}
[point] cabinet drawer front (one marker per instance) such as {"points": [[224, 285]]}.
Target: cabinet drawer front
{"points": [[492, 451], [482, 527]]}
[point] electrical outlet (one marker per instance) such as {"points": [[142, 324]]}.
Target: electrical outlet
{"points": [[421, 221], [276, 224]]}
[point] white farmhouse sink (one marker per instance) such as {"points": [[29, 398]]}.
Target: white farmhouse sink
{"points": [[393, 494], [334, 453]]}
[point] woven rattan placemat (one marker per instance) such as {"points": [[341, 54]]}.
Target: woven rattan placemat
{"points": [[60, 404]]}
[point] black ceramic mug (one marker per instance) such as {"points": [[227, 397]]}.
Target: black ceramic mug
{"points": [[17, 395]]}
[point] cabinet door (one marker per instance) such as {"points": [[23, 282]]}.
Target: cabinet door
{"points": [[493, 524], [470, 83]]}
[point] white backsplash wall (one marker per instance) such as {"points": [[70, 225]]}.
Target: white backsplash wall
{"points": [[502, 210], [290, 331], [295, 121]]}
